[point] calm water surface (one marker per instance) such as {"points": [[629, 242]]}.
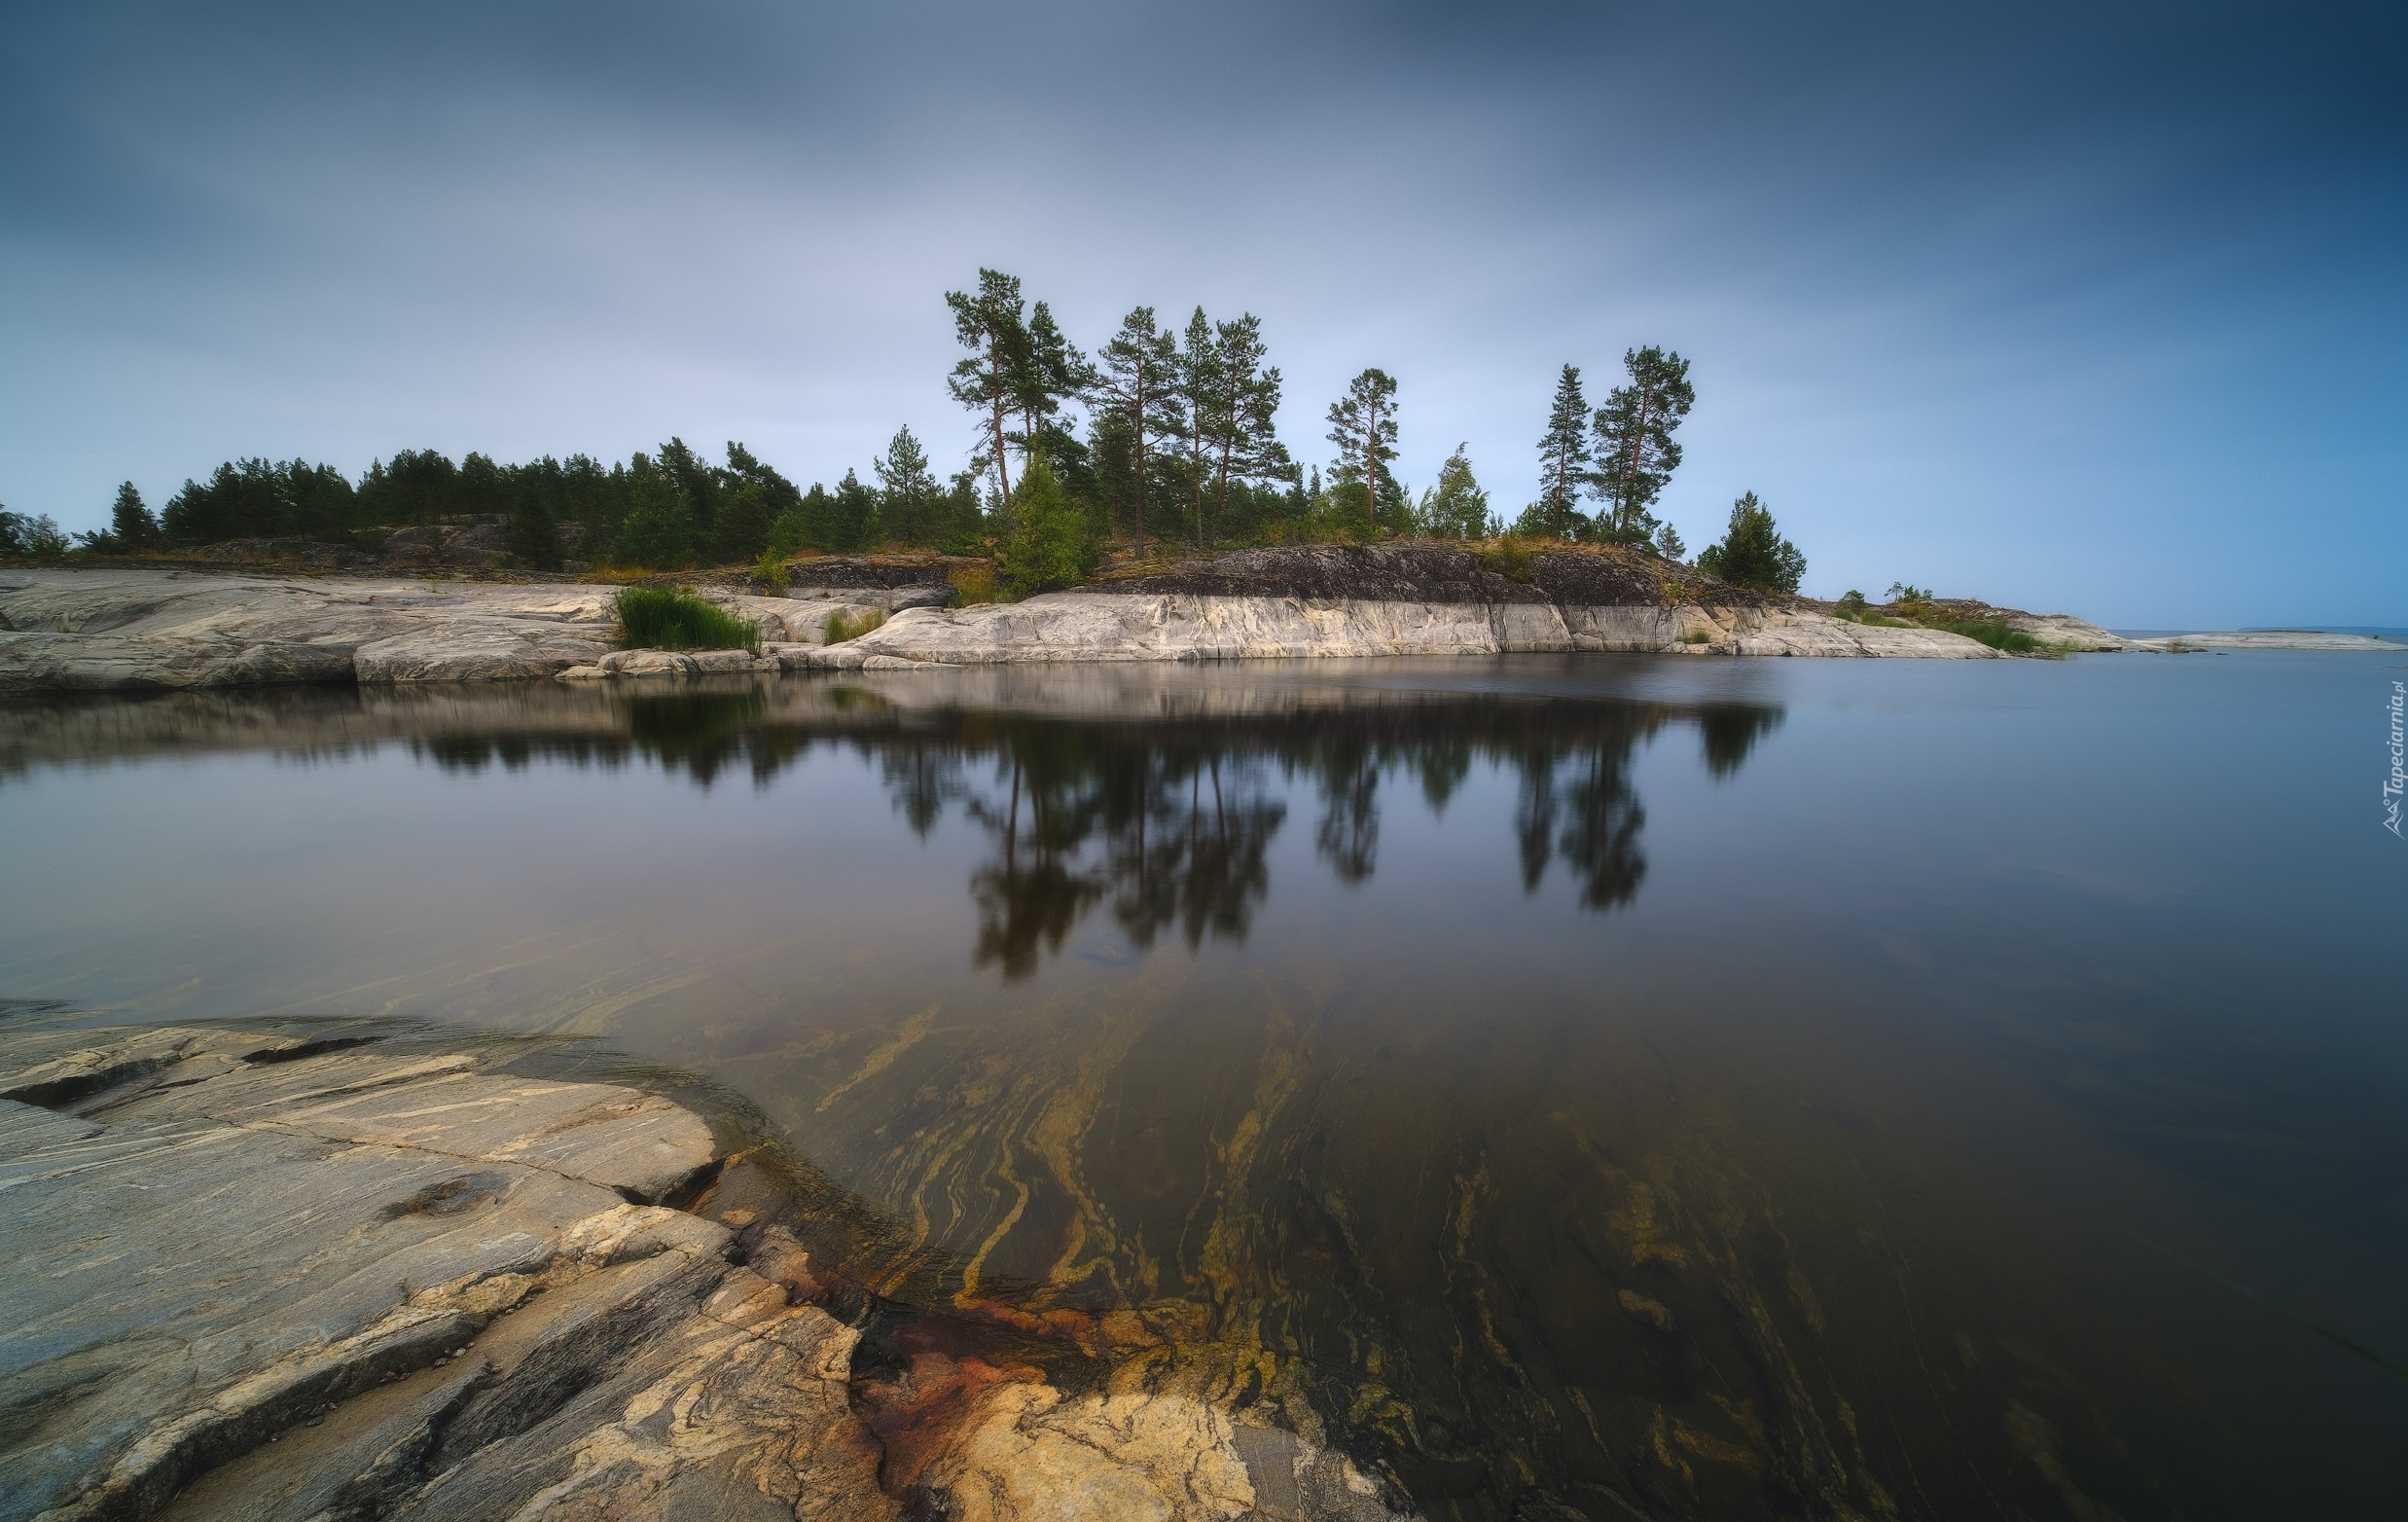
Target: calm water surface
{"points": [[1592, 1087]]}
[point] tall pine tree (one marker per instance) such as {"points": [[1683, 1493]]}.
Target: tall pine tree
{"points": [[1362, 423], [1135, 378], [1204, 394], [1241, 433], [1635, 454], [993, 381]]}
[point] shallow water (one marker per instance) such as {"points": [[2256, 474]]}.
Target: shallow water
{"points": [[1590, 1086]]}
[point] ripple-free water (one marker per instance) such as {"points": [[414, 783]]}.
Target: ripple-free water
{"points": [[1728, 1088]]}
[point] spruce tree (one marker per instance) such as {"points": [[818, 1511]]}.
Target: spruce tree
{"points": [[1564, 456], [1051, 545], [130, 522], [1752, 552], [1635, 454], [907, 494]]}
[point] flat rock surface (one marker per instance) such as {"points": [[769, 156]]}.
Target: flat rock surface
{"points": [[248, 1278]]}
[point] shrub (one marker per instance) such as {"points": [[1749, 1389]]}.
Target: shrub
{"points": [[1853, 606], [1507, 555], [1697, 637], [768, 574], [1998, 637], [663, 618], [973, 584], [839, 629]]}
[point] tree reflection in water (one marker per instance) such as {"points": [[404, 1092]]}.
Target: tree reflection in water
{"points": [[1169, 822]]}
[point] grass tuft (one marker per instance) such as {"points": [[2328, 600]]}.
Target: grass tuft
{"points": [[977, 583], [1508, 556], [840, 628], [664, 618]]}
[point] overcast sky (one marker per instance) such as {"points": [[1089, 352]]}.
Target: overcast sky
{"points": [[2089, 307]]}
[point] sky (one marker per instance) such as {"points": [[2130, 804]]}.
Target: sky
{"points": [[2096, 308]]}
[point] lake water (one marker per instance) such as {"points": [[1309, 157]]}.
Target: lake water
{"points": [[1590, 1086]]}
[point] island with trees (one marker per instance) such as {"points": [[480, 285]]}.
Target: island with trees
{"points": [[1135, 501]]}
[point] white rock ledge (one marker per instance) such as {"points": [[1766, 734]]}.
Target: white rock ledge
{"points": [[1091, 626]]}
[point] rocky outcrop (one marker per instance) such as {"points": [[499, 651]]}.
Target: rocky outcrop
{"points": [[108, 629], [1117, 626], [259, 1277], [250, 1277]]}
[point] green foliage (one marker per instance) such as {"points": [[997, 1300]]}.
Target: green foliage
{"points": [[1507, 555], [743, 531], [257, 499], [1907, 591], [1998, 637], [531, 535], [1851, 604], [34, 536], [1051, 544], [664, 618], [839, 629], [1456, 508], [1634, 451], [770, 576], [1752, 552]]}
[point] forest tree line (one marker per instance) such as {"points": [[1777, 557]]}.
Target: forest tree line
{"points": [[1161, 434]]}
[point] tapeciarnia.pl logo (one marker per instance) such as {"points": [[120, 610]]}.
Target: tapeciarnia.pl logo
{"points": [[2398, 780]]}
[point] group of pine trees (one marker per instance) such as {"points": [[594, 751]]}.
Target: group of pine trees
{"points": [[674, 508], [1179, 444]]}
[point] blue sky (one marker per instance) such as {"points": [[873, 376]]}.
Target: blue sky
{"points": [[2087, 308]]}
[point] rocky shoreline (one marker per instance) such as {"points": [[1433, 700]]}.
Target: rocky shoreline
{"points": [[338, 1273], [131, 628]]}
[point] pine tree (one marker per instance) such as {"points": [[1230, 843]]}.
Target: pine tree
{"points": [[1752, 552], [1051, 373], [1135, 377], [1242, 432], [1362, 423], [1635, 454], [1051, 545], [1564, 456], [1204, 394], [994, 380]]}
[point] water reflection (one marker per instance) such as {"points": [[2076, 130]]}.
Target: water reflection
{"points": [[1087, 801]]}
